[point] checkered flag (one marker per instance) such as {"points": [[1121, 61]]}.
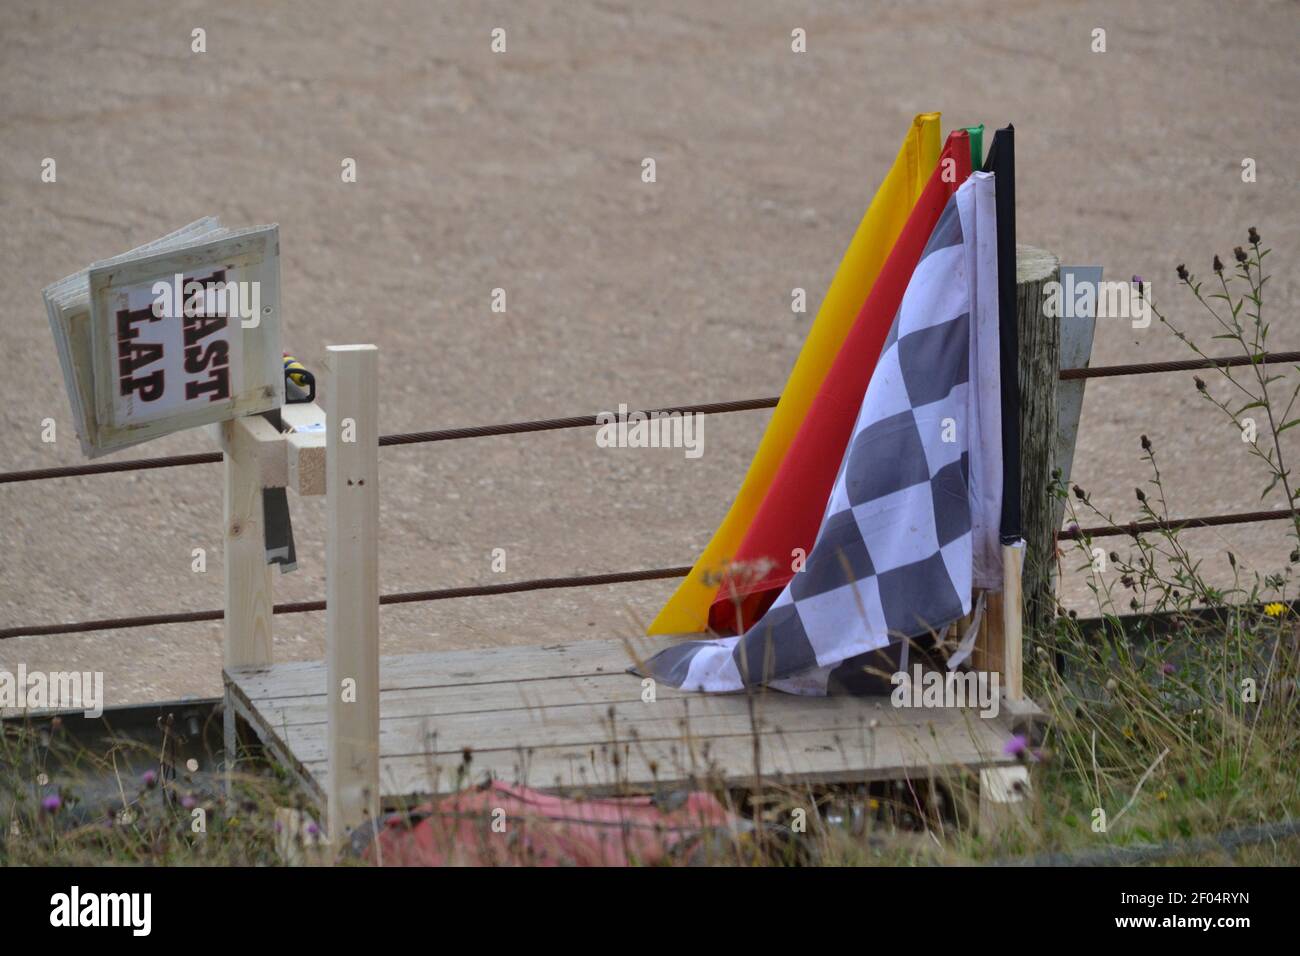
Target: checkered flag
{"points": [[912, 522]]}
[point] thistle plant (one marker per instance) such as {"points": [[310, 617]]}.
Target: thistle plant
{"points": [[1184, 722], [1239, 313]]}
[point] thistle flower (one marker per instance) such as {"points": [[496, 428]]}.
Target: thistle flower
{"points": [[1168, 669], [1183, 274], [1141, 495], [1080, 493], [1200, 384], [1016, 745], [150, 779], [1253, 236], [1146, 443], [52, 804], [1240, 253], [1218, 265]]}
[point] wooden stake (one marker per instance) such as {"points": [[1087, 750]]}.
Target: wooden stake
{"points": [[352, 586], [1040, 363], [1012, 638]]}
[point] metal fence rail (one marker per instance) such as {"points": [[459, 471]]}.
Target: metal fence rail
{"points": [[587, 421]]}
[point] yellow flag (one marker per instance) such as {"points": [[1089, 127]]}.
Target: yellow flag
{"points": [[688, 610]]}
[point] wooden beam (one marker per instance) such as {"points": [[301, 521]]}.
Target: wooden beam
{"points": [[1040, 362], [248, 577], [306, 447], [1076, 352], [352, 587], [999, 644]]}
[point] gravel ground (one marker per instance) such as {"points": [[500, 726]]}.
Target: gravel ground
{"points": [[522, 171]]}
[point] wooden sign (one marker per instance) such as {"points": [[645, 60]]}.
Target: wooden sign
{"points": [[182, 333]]}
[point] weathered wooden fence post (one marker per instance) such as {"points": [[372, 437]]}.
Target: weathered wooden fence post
{"points": [[1040, 363], [352, 586]]}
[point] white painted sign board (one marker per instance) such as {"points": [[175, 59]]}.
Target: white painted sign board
{"points": [[184, 337]]}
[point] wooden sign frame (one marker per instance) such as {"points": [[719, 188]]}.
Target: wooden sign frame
{"points": [[250, 255]]}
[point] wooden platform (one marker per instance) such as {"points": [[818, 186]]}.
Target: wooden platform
{"points": [[568, 716]]}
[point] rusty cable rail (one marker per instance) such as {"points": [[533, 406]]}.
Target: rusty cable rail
{"points": [[577, 581], [302, 607], [586, 421], [580, 421], [1134, 528]]}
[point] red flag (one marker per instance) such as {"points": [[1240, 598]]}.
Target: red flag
{"points": [[792, 509]]}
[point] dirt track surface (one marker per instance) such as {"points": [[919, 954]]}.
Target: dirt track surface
{"points": [[522, 171]]}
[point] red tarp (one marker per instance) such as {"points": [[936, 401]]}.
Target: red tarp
{"points": [[792, 509], [500, 825]]}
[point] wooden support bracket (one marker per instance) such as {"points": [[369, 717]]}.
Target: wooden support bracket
{"points": [[293, 459]]}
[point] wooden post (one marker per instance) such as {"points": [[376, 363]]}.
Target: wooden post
{"points": [[248, 576], [1040, 363], [1027, 573], [352, 586]]}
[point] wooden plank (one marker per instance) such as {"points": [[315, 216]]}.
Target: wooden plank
{"points": [[480, 698], [237, 704], [453, 668], [352, 587], [593, 725], [504, 698], [988, 653], [1077, 333], [810, 756], [248, 577]]}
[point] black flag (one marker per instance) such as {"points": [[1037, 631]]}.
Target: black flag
{"points": [[1001, 162]]}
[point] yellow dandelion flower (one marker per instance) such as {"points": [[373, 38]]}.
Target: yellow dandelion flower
{"points": [[1276, 609], [1162, 795], [1128, 732]]}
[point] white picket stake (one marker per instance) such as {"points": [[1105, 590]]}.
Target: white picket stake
{"points": [[352, 586]]}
